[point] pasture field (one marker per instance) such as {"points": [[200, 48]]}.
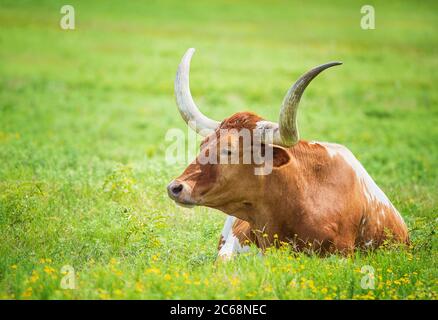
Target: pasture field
{"points": [[84, 113]]}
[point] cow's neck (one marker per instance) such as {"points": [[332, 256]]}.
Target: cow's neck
{"points": [[276, 215]]}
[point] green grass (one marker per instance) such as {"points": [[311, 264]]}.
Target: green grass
{"points": [[83, 115]]}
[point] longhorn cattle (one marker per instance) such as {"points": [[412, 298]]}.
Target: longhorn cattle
{"points": [[317, 194]]}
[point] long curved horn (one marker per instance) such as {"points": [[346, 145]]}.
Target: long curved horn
{"points": [[288, 134], [186, 106]]}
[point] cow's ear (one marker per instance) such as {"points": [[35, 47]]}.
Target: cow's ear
{"points": [[280, 156]]}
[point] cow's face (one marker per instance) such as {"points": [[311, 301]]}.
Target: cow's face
{"points": [[232, 187], [223, 174]]}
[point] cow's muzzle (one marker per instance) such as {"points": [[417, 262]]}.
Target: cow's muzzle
{"points": [[180, 192]]}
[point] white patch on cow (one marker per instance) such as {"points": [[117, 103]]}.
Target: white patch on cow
{"points": [[232, 244], [371, 190], [228, 226], [331, 151], [231, 247], [369, 243]]}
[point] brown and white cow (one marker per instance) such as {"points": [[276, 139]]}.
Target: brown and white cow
{"points": [[318, 194]]}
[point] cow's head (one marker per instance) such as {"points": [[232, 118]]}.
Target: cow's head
{"points": [[232, 185]]}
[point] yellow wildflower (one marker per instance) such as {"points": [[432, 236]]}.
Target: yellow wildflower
{"points": [[49, 270], [167, 277], [104, 295], [153, 270], [139, 286], [34, 277], [27, 293], [234, 281], [268, 288]]}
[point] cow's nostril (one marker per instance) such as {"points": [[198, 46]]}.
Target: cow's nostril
{"points": [[176, 189]]}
